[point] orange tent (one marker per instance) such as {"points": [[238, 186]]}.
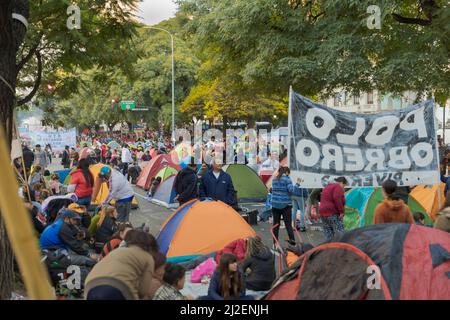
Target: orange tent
{"points": [[192, 230], [428, 198]]}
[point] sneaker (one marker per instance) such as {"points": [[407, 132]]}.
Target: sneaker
{"points": [[308, 222], [302, 229]]}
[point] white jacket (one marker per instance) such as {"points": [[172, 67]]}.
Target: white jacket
{"points": [[119, 187], [126, 156]]}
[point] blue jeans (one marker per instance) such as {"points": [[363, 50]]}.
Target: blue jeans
{"points": [[298, 203], [105, 292], [86, 201]]}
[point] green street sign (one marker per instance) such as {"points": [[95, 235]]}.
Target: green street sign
{"points": [[128, 105]]}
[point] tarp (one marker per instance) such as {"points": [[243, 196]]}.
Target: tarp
{"points": [[165, 194], [199, 228], [367, 149], [381, 262], [247, 183], [152, 168], [58, 139]]}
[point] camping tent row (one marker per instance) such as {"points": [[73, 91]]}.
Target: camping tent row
{"points": [[361, 203], [101, 187]]}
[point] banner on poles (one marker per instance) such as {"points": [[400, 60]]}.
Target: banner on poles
{"points": [[57, 139], [367, 149]]}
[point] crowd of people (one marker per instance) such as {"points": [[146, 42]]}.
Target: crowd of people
{"points": [[120, 261]]}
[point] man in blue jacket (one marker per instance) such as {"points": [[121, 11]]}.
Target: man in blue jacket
{"points": [[217, 185]]}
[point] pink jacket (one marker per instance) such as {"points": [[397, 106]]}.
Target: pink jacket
{"points": [[332, 201]]}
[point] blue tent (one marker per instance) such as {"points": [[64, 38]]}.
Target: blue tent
{"points": [[165, 194], [63, 174]]}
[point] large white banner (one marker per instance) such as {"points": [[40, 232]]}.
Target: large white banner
{"points": [[58, 139], [367, 149]]}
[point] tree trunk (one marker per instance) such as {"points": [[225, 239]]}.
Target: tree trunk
{"points": [[12, 33]]}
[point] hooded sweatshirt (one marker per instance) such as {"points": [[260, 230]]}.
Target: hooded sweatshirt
{"points": [[262, 268], [392, 211]]}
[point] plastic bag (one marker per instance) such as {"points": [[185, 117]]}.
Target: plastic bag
{"points": [[206, 268]]}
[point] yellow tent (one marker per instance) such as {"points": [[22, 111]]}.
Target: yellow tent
{"points": [[103, 193], [428, 198]]}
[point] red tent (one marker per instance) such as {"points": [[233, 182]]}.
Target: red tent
{"points": [[381, 262], [152, 168]]}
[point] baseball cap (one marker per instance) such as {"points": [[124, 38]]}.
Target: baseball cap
{"points": [[70, 214], [77, 208], [104, 171]]}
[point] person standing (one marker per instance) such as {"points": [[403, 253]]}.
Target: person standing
{"points": [[82, 183], [40, 157], [65, 159], [393, 209], [218, 185], [299, 197], [28, 158], [49, 152], [282, 188], [120, 190], [127, 159], [331, 208], [186, 184]]}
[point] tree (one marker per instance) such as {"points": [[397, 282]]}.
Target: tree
{"points": [[149, 85], [320, 45], [212, 100], [49, 48]]}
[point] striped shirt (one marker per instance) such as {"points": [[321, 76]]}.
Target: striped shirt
{"points": [[281, 190]]}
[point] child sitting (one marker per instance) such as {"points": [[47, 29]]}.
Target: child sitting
{"points": [[36, 189], [174, 278], [55, 184]]}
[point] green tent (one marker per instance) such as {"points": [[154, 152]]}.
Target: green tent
{"points": [[166, 173], [360, 204], [247, 183], [69, 177]]}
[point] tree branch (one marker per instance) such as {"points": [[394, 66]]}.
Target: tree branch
{"points": [[27, 57], [37, 83], [406, 20]]}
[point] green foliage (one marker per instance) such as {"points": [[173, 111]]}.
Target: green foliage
{"points": [[320, 45]]}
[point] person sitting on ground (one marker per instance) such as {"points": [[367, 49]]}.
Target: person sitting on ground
{"points": [[54, 184], [117, 239], [174, 279], [125, 273], [106, 226], [146, 156], [65, 234], [392, 209], [155, 184], [82, 211], [295, 252], [37, 219], [442, 221], [37, 189], [158, 276], [419, 218], [227, 282], [261, 263]]}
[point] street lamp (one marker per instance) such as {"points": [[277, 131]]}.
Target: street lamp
{"points": [[173, 78]]}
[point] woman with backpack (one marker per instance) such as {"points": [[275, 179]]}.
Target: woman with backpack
{"points": [[82, 183]]}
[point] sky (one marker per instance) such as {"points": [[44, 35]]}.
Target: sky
{"points": [[155, 11]]}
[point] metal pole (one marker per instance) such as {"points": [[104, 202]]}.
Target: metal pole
{"points": [[173, 92]]}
